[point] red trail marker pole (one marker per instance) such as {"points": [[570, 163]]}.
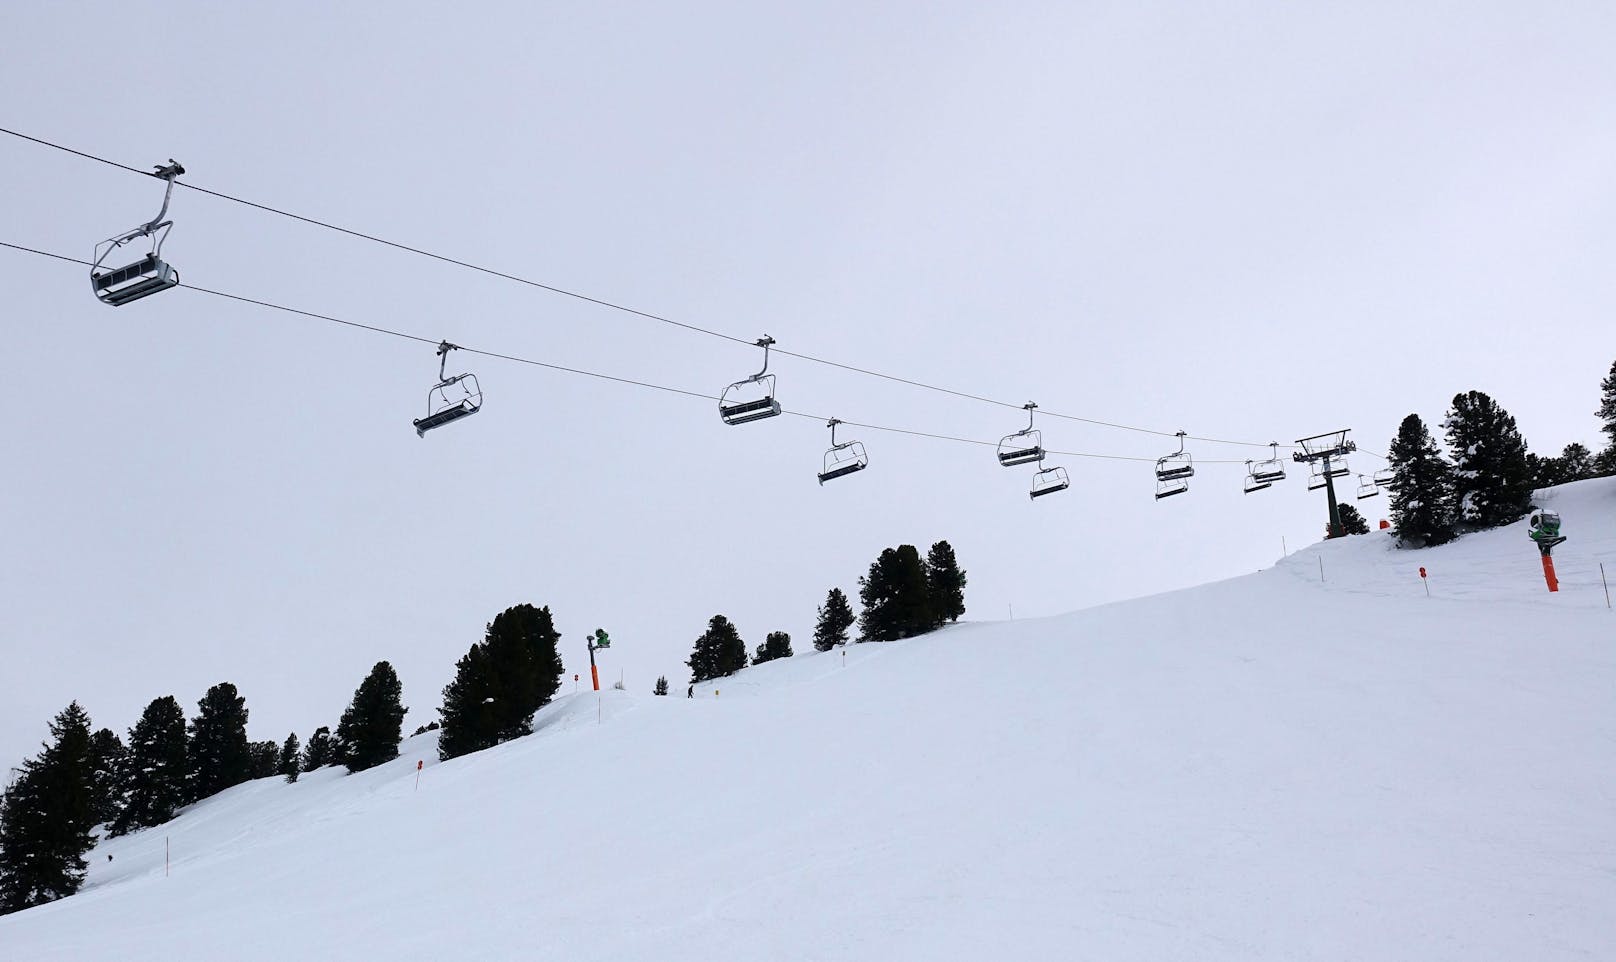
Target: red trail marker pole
{"points": [[418, 765], [1427, 584]]}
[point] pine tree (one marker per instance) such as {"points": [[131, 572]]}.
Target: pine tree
{"points": [[499, 684], [373, 724], [1492, 481], [897, 603], [264, 759], [1352, 522], [290, 764], [157, 768], [318, 752], [776, 645], [1422, 486], [108, 768], [1607, 414], [719, 651], [835, 618], [220, 755], [46, 816], [1577, 463], [661, 685], [946, 584]]}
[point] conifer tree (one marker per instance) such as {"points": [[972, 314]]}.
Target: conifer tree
{"points": [[108, 768], [946, 584], [318, 752], [499, 684], [1577, 463], [220, 755], [265, 759], [661, 685], [290, 763], [1492, 481], [1352, 522], [897, 603], [46, 816], [719, 651], [1422, 486], [835, 618], [1607, 414], [157, 768], [776, 645], [373, 724]]}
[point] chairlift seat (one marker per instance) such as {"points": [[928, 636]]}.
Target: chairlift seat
{"points": [[144, 277], [1367, 491], [439, 418], [1267, 475], [1255, 483], [1173, 472], [842, 470], [1021, 456], [746, 411], [1339, 470]]}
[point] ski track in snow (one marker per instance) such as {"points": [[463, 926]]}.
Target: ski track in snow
{"points": [[1269, 767]]}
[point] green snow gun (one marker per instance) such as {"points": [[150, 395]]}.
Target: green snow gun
{"points": [[1544, 528]]}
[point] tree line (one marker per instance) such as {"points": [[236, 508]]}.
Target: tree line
{"points": [[85, 778], [902, 596], [1486, 476]]}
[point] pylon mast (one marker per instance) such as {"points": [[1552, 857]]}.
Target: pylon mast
{"points": [[1321, 449]]}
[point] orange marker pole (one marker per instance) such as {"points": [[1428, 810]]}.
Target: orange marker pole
{"points": [[418, 764], [1548, 572]]}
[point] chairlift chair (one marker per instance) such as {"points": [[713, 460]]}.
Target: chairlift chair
{"points": [[1254, 482], [1174, 467], [842, 459], [741, 402], [1384, 477], [1339, 469], [1166, 489], [453, 398], [147, 275], [1024, 446], [1048, 481], [1367, 488], [1269, 471], [1315, 476]]}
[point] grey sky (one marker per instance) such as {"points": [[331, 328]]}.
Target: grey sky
{"points": [[1248, 221]]}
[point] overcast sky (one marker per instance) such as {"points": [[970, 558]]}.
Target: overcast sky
{"points": [[1248, 221]]}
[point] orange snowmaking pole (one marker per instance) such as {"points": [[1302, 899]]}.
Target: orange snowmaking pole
{"points": [[1548, 572]]}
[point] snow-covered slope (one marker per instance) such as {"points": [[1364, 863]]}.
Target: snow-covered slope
{"points": [[1266, 768]]}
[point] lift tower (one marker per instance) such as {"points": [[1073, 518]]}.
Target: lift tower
{"points": [[1325, 455]]}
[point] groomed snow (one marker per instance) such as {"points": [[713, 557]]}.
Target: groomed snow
{"points": [[1265, 768]]}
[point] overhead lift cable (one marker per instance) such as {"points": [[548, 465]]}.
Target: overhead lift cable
{"points": [[517, 359], [611, 305]]}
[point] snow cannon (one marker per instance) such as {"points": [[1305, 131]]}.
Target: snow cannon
{"points": [[1544, 528]]}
